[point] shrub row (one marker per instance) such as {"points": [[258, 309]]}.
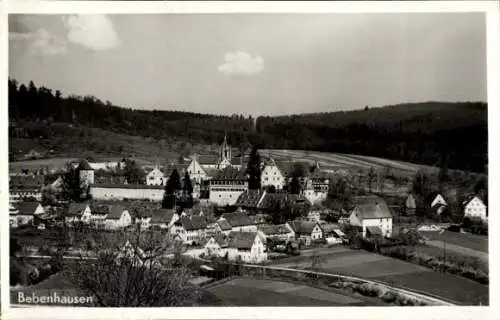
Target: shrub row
{"points": [[467, 268]]}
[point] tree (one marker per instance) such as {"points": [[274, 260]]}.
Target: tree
{"points": [[130, 271], [132, 172], [371, 178], [172, 188], [187, 188], [254, 169], [340, 191], [421, 184], [295, 185], [72, 189]]}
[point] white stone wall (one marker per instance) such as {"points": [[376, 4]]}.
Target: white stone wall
{"points": [[102, 193], [225, 195]]}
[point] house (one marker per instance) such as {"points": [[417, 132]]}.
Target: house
{"points": [[23, 187], [246, 246], [332, 233], [438, 200], [156, 178], [86, 173], [272, 176], [475, 209], [372, 214], [316, 186], [196, 171], [410, 205], [227, 186], [189, 229], [78, 212], [223, 226], [314, 216], [279, 231], [216, 245], [250, 199], [117, 217], [239, 221], [24, 213], [305, 230], [159, 219]]}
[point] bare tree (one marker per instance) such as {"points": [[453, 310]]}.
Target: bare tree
{"points": [[132, 269]]}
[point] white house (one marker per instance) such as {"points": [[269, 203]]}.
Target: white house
{"points": [[475, 209], [373, 215], [86, 173], [158, 219], [156, 178], [117, 218], [227, 186], [438, 200], [280, 231], [248, 247], [23, 213], [271, 176], [189, 229], [78, 212], [305, 230], [216, 246], [196, 171]]}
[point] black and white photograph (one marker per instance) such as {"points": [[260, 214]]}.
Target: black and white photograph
{"points": [[248, 159]]}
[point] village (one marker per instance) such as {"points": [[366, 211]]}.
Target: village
{"points": [[210, 208]]}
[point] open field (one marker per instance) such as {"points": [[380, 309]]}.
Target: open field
{"points": [[399, 273], [350, 161], [466, 240], [254, 292]]}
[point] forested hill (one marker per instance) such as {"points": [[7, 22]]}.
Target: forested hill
{"points": [[433, 133]]}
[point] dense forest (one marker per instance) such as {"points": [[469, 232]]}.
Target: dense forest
{"points": [[433, 133]]}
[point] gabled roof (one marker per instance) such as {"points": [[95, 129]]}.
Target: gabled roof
{"points": [[207, 159], [161, 215], [330, 227], [27, 208], [249, 199], [374, 231], [272, 229], [192, 223], [271, 200], [219, 239], [305, 227], [470, 198], [224, 225], [76, 209], [241, 240], [373, 211], [230, 173], [115, 211], [318, 175], [84, 165], [237, 219], [286, 168]]}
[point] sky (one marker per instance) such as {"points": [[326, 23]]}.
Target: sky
{"points": [[254, 64]]}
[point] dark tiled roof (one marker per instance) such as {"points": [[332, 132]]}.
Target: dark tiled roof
{"points": [[271, 229], [271, 200], [237, 219], [76, 209], [305, 227], [207, 159], [161, 215], [374, 230], [373, 211], [115, 212], [192, 223], [26, 181], [224, 225], [241, 240], [230, 173], [249, 199], [84, 165], [27, 208]]}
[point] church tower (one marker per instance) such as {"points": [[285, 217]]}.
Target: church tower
{"points": [[225, 151]]}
